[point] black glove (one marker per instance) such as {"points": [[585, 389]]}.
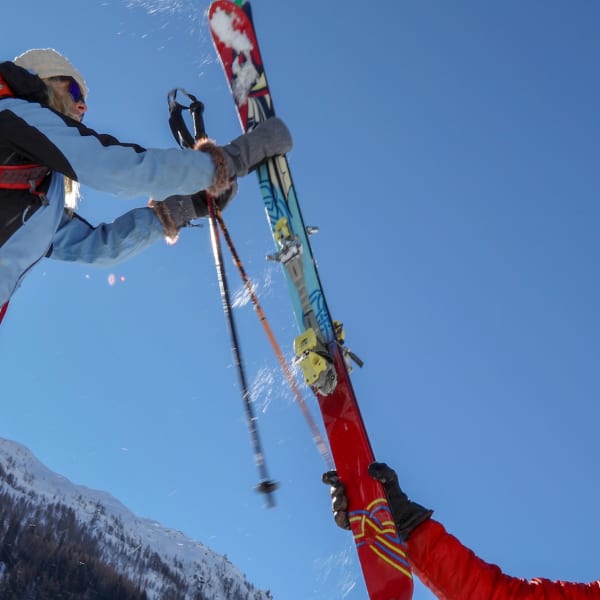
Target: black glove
{"points": [[339, 500], [407, 514]]}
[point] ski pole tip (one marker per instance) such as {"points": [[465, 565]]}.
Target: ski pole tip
{"points": [[267, 487]]}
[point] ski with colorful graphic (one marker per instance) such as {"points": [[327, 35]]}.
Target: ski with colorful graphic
{"points": [[320, 350]]}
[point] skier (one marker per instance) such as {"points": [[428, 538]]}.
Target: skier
{"points": [[449, 569], [46, 152]]}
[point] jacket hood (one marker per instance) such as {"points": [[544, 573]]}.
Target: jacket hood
{"points": [[23, 84]]}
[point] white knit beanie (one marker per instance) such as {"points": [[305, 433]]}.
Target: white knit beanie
{"points": [[46, 62]]}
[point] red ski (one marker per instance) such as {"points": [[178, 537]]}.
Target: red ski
{"points": [[319, 347]]}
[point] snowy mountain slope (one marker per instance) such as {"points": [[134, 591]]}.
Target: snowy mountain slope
{"points": [[162, 562]]}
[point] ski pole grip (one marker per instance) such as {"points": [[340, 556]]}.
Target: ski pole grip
{"points": [[197, 112]]}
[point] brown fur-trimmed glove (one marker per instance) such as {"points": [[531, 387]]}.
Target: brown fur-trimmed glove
{"points": [[239, 157], [243, 154], [176, 212], [246, 152]]}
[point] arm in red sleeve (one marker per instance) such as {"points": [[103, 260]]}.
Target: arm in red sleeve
{"points": [[453, 572]]}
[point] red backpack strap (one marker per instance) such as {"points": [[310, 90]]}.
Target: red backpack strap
{"points": [[3, 311], [22, 177]]}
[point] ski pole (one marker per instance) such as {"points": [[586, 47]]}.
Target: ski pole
{"points": [[266, 485], [316, 434]]}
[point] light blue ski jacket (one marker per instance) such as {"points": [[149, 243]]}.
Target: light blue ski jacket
{"points": [[40, 135]]}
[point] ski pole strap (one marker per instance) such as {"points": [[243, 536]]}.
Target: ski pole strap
{"points": [[179, 129]]}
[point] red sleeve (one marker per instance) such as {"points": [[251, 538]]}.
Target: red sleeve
{"points": [[453, 572]]}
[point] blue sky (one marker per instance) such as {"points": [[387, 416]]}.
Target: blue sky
{"points": [[448, 153]]}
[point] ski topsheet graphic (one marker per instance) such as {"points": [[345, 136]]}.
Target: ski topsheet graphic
{"points": [[320, 352]]}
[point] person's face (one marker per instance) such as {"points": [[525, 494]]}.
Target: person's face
{"points": [[68, 90]]}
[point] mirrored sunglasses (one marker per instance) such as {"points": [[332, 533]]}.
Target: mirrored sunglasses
{"points": [[74, 88], [75, 91]]}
